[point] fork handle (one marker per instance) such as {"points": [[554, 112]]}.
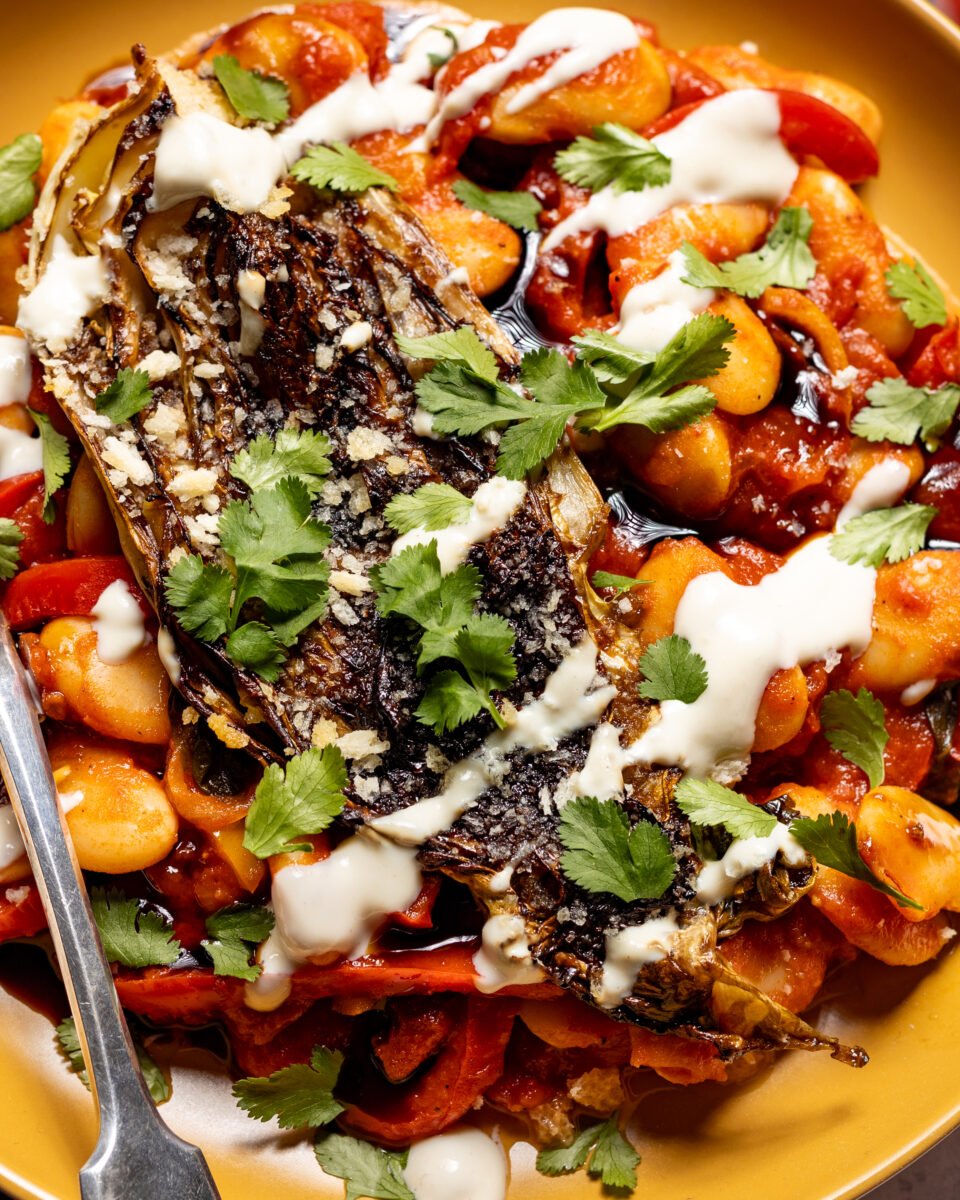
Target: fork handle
{"points": [[136, 1154]]}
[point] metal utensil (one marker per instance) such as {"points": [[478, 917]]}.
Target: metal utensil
{"points": [[512, 315], [136, 1155]]}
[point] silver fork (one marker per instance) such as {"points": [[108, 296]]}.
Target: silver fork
{"points": [[136, 1157]]}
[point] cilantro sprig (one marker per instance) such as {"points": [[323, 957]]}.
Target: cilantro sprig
{"points": [[272, 582], [672, 670], [55, 451], [519, 209], [897, 412], [367, 1170], [461, 346], [11, 535], [235, 932], [614, 157], [431, 507], [784, 260], [295, 801], [19, 162], [299, 1096], [707, 803], [254, 96], [831, 839], [611, 1157], [340, 168], [854, 726], [604, 854], [443, 608], [885, 535], [604, 388], [128, 394], [131, 935], [620, 583], [918, 293]]}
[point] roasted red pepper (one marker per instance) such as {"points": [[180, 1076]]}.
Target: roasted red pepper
{"points": [[21, 500], [22, 916], [69, 588]]}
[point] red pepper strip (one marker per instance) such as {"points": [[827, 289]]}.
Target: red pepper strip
{"points": [[419, 1026], [22, 917], [808, 126], [420, 913], [69, 588], [194, 994], [470, 1061], [21, 499]]}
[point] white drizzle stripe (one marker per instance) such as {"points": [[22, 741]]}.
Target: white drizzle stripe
{"points": [[748, 633], [717, 880], [728, 151], [627, 950], [566, 705], [20, 454], [504, 955], [72, 287], [494, 504], [588, 35], [461, 1164], [655, 310], [15, 373], [118, 623]]}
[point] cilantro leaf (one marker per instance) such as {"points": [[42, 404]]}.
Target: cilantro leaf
{"points": [[483, 648], [886, 535], [462, 346], [257, 648], [433, 506], [11, 536], [131, 935], [440, 60], [235, 933], [672, 670], [854, 726], [301, 454], [897, 412], [341, 168], [128, 394], [299, 1097], [784, 260], [199, 593], [448, 702], [254, 96], [518, 209], [610, 359], [19, 162], [603, 854], [622, 583], [411, 584], [832, 840], [614, 157], [705, 802], [56, 461], [696, 351], [369, 1172], [920, 297], [293, 801], [613, 1159], [68, 1041]]}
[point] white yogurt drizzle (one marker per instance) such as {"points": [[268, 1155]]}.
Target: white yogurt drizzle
{"points": [[602, 773], [461, 1164], [20, 454], [748, 633], [574, 698], [494, 503], [655, 310], [588, 35], [627, 950], [728, 151], [15, 373], [118, 623], [717, 880], [504, 956], [71, 287]]}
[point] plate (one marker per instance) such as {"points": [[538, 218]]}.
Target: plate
{"points": [[807, 1129]]}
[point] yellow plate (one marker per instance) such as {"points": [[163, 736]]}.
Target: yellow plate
{"points": [[807, 1130]]}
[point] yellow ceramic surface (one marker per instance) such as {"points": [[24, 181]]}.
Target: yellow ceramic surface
{"points": [[809, 1129]]}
